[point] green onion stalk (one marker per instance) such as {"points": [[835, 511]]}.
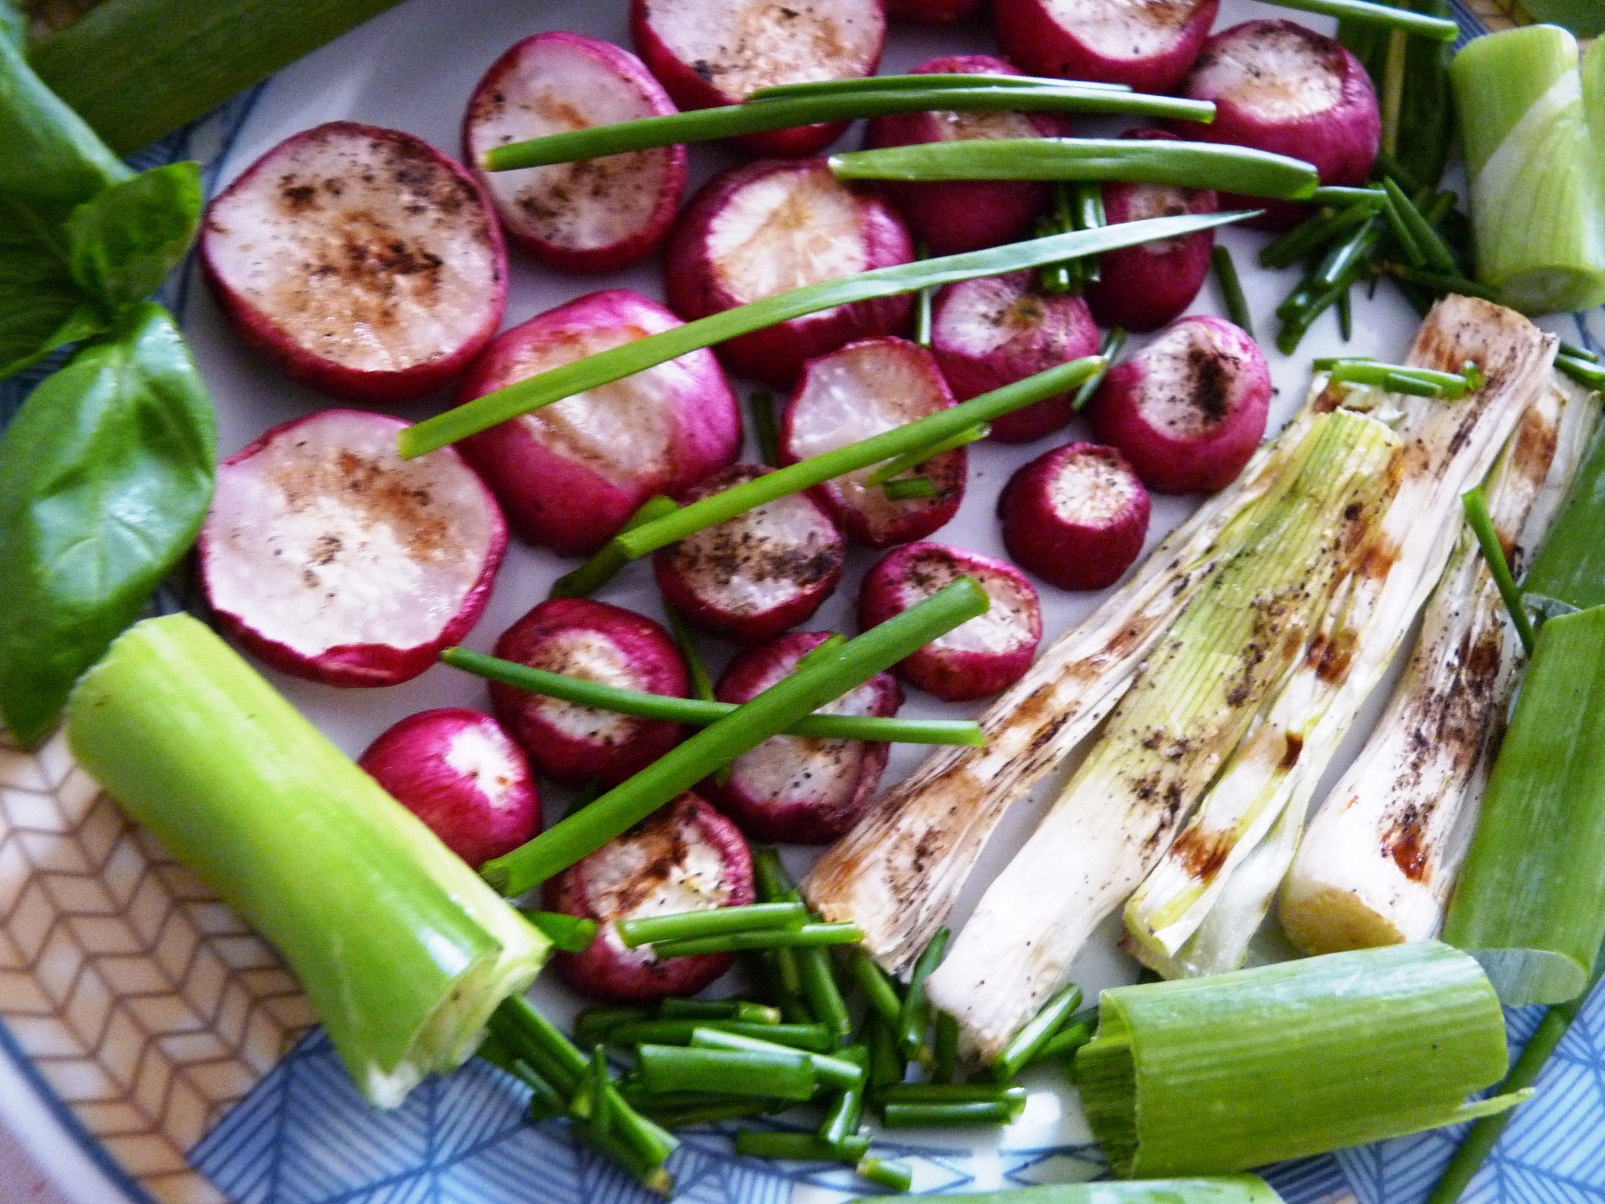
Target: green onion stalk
{"points": [[1225, 1189]]}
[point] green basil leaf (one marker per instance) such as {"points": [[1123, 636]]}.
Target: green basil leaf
{"points": [[105, 476], [126, 239], [41, 308], [47, 153]]}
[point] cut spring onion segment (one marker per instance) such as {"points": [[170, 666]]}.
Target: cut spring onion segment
{"points": [[1225, 1189], [644, 930], [619, 362]]}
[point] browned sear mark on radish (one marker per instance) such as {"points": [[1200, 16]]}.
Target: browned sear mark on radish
{"points": [[377, 493]]}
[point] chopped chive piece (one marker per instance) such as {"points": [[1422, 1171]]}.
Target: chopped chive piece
{"points": [[1578, 353], [947, 1048], [825, 87], [518, 1022], [1584, 372], [916, 1015], [1312, 234], [676, 1008], [701, 686], [1113, 341], [846, 1112], [1437, 252], [645, 930], [1066, 1041], [545, 1101], [1404, 382], [806, 936], [764, 426], [774, 884], [1345, 308], [571, 934], [1231, 289], [921, 1116], [819, 986], [1402, 233], [602, 567], [908, 488], [1035, 1034], [679, 1030], [877, 987], [955, 1093], [695, 712], [593, 1024], [1438, 28], [886, 1172], [654, 1178], [1423, 382], [1390, 167], [886, 1065], [898, 465], [1493, 552], [833, 1072], [802, 1147], [782, 1075]]}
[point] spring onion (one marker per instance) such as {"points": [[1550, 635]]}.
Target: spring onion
{"points": [[1398, 378], [1315, 232], [894, 1174], [680, 1030], [805, 936], [1009, 1094], [878, 989], [1064, 1043], [831, 1071], [932, 1116], [571, 934], [607, 366], [1197, 1076], [1030, 1039], [740, 1010], [780, 1075], [643, 930], [802, 1147], [846, 1113], [1423, 235], [1225, 1189], [1231, 288], [916, 1014], [830, 87]]}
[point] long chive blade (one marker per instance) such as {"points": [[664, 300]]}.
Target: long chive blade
{"points": [[644, 930], [1113, 341], [695, 712], [1178, 164], [1231, 289], [805, 937], [1436, 252], [679, 1031], [877, 83], [630, 358], [1314, 233], [1438, 28], [1035, 1034], [1493, 552], [1223, 1189], [898, 465]]}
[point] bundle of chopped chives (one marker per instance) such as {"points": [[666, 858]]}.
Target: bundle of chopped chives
{"points": [[1211, 1075]]}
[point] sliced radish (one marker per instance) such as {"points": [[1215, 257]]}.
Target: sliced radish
{"points": [[359, 260], [460, 773], [596, 215], [1280, 87], [932, 12], [991, 332], [1189, 409], [769, 227], [1148, 44], [757, 574], [1075, 516], [602, 643], [718, 52], [686, 857], [976, 658], [966, 215], [859, 391], [1143, 287], [800, 789], [570, 473], [330, 557]]}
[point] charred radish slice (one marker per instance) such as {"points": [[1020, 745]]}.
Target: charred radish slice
{"points": [[769, 227], [1189, 409], [757, 574], [966, 215], [1075, 516], [570, 473], [460, 773], [361, 261], [1143, 287], [602, 643], [687, 857], [1148, 44], [859, 391], [799, 789], [976, 658], [330, 557], [1280, 87], [596, 215], [993, 331], [718, 52]]}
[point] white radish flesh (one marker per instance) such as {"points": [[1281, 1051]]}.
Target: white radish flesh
{"points": [[1147, 44], [331, 558], [1075, 516]]}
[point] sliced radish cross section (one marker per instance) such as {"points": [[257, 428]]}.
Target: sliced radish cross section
{"points": [[1075, 516], [1148, 44]]}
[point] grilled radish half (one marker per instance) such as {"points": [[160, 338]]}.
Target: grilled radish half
{"points": [[1075, 516], [1147, 45], [359, 260], [330, 557], [596, 215]]}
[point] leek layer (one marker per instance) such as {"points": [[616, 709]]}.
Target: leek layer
{"points": [[1570, 567]]}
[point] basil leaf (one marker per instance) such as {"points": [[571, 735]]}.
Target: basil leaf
{"points": [[105, 476], [126, 240], [47, 153], [41, 308]]}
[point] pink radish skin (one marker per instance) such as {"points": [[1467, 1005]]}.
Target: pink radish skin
{"points": [[757, 574], [1280, 87], [966, 216], [1143, 287], [976, 658], [686, 857], [718, 52], [329, 557], [859, 391], [772, 226], [1189, 409], [460, 773], [932, 12], [1075, 516], [581, 638], [569, 474], [800, 789], [991, 332], [360, 261], [1148, 45], [597, 215]]}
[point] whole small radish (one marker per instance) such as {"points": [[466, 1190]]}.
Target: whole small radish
{"points": [[460, 773], [1280, 87], [598, 642], [719, 52], [1147, 45], [757, 574], [358, 260], [976, 658], [569, 474], [685, 857], [1075, 516], [328, 556], [596, 215], [864, 389], [769, 227], [995, 330], [1143, 287], [1189, 409], [800, 789], [966, 215]]}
